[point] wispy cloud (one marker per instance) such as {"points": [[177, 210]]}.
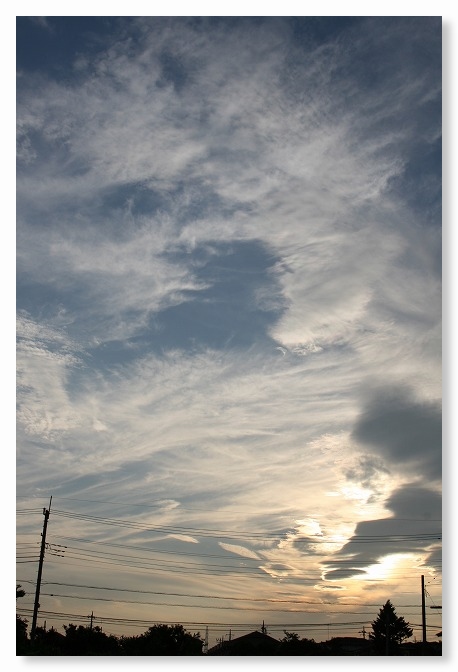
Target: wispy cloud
{"points": [[240, 550], [229, 299]]}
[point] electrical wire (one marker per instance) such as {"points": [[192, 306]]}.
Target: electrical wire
{"points": [[141, 562], [191, 606], [230, 534]]}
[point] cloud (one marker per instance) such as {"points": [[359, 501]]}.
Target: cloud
{"points": [[414, 529], [420, 503], [41, 21], [240, 550], [183, 537], [262, 160], [366, 470], [402, 431], [219, 252], [45, 357]]}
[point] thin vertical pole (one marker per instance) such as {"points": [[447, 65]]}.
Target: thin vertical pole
{"points": [[40, 570], [423, 610]]}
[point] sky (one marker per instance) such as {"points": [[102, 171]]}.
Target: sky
{"points": [[229, 321]]}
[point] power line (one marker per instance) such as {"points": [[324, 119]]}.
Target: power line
{"points": [[149, 561], [164, 502], [95, 554], [208, 532], [192, 554], [208, 569], [216, 597], [213, 624], [193, 606], [141, 562], [161, 503]]}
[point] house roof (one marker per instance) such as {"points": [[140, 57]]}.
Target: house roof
{"points": [[253, 641]]}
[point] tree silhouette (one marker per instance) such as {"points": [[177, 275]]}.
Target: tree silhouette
{"points": [[86, 641], [163, 640], [388, 629], [292, 645], [21, 625]]}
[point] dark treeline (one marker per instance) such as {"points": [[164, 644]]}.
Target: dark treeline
{"points": [[389, 632], [174, 640], [158, 640]]}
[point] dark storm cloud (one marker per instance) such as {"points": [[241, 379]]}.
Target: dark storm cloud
{"points": [[403, 431]]}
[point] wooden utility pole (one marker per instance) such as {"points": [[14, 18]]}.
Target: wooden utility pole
{"points": [[423, 610], [40, 570]]}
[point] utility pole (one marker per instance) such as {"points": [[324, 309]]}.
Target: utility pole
{"points": [[40, 570], [423, 611], [92, 617]]}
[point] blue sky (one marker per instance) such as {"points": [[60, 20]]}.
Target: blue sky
{"points": [[229, 316]]}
